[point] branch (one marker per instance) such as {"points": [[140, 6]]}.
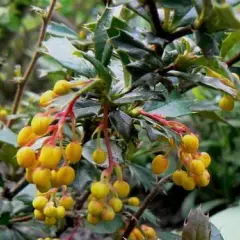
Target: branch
{"points": [[82, 199], [233, 60], [22, 83], [21, 219], [180, 33], [9, 194], [155, 18], [154, 192]]}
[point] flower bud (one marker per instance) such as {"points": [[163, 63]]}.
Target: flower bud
{"points": [[159, 164], [25, 157], [65, 175], [99, 190], [99, 156], [73, 152], [40, 124], [50, 156], [61, 87], [122, 188], [67, 202], [190, 143], [25, 136], [46, 98]]}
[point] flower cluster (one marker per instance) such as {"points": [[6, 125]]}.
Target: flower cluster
{"points": [[195, 163], [49, 167], [107, 199]]}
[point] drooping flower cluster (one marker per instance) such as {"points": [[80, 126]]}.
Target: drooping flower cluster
{"points": [[195, 163]]}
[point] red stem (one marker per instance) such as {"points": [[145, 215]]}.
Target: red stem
{"points": [[175, 126], [106, 139]]}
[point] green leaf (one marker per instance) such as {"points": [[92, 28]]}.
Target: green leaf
{"points": [[222, 18], [207, 43], [186, 18], [8, 154], [61, 30], [103, 72], [142, 175], [147, 214], [127, 76], [7, 136], [168, 236], [188, 203], [139, 9], [125, 42], [197, 226], [208, 206], [178, 5], [229, 42], [173, 107], [5, 212], [107, 227], [211, 82], [85, 174], [103, 48], [62, 50], [90, 146], [138, 94], [7, 234], [214, 64], [86, 108], [32, 228], [122, 123]]}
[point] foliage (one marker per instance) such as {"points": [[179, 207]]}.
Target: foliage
{"points": [[142, 82]]}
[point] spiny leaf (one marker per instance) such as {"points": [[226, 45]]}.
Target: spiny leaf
{"points": [[62, 50], [197, 226], [103, 48]]}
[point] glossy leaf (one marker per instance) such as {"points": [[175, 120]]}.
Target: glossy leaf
{"points": [[7, 136], [103, 72], [207, 43], [178, 5], [122, 123], [61, 30], [175, 108], [62, 50], [135, 49], [142, 175], [86, 108], [222, 18], [138, 94], [103, 48], [206, 81]]}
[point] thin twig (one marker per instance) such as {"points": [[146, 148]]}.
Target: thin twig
{"points": [[233, 60], [82, 199], [180, 33], [9, 194], [155, 18], [154, 192], [36, 54], [21, 219]]}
